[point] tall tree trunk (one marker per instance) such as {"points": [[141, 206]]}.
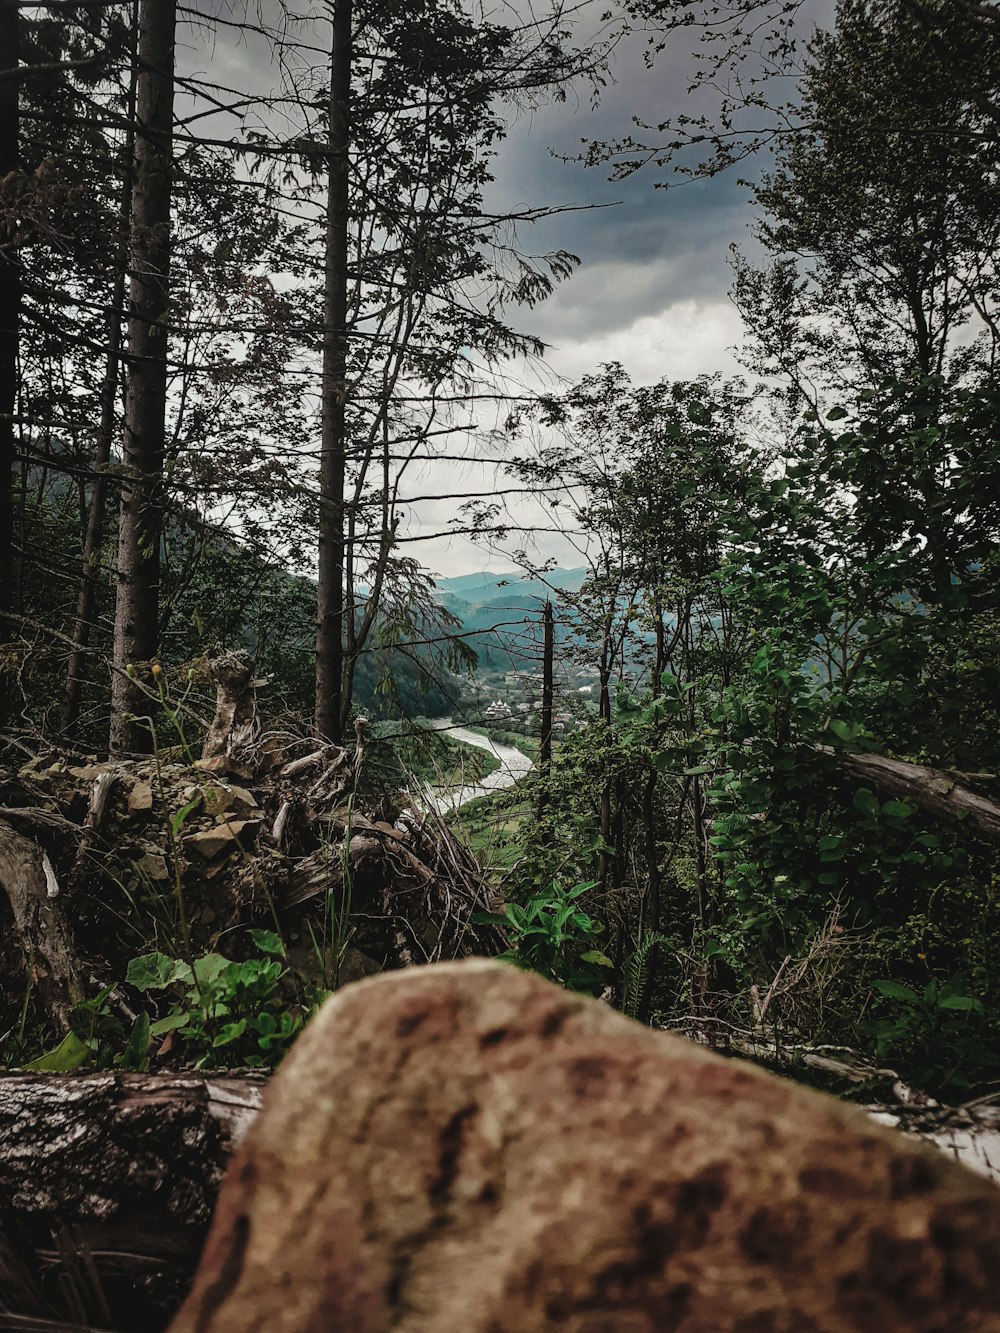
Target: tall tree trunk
{"points": [[545, 740], [141, 519], [604, 676], [10, 307], [86, 602], [329, 718]]}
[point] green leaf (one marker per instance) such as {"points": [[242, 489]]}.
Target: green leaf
{"points": [[208, 967], [895, 990], [490, 919], [177, 823], [595, 956], [169, 1024], [153, 971], [267, 941], [866, 801], [230, 1033], [898, 809], [963, 1003], [842, 729], [71, 1053], [136, 1052]]}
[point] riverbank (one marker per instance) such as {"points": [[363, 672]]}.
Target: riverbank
{"points": [[512, 765]]}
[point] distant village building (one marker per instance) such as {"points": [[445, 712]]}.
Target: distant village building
{"points": [[498, 711]]}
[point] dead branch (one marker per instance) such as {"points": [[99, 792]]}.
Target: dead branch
{"points": [[929, 789]]}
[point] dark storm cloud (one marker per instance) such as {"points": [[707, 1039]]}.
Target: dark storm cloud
{"points": [[668, 245]]}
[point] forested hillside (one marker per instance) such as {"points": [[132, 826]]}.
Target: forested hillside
{"points": [[258, 342]]}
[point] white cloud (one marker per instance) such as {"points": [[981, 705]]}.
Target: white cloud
{"points": [[682, 340]]}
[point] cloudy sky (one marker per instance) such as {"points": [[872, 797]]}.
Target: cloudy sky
{"points": [[651, 291], [652, 287]]}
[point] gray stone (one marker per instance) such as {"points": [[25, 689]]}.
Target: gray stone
{"points": [[221, 839], [140, 798]]}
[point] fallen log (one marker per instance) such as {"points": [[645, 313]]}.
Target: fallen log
{"points": [[107, 1184], [930, 789]]}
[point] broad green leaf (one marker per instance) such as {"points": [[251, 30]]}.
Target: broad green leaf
{"points": [[169, 1024], [71, 1053], [267, 941], [490, 919], [153, 971], [208, 967], [895, 990], [898, 809], [230, 1033], [866, 801]]}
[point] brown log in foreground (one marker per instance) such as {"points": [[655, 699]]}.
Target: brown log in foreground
{"points": [[929, 789], [107, 1183]]}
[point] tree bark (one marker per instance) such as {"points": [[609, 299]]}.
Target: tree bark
{"points": [[141, 518], [545, 739], [107, 1184], [929, 789], [329, 719], [86, 605], [33, 927], [235, 726], [10, 305]]}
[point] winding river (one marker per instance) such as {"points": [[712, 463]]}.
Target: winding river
{"points": [[513, 765]]}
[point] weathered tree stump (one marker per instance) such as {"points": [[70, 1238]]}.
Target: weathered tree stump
{"points": [[107, 1184], [236, 725], [32, 926]]}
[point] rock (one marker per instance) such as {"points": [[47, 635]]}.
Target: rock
{"points": [[222, 763], [90, 772], [226, 798], [220, 839], [140, 798], [468, 1149], [154, 867]]}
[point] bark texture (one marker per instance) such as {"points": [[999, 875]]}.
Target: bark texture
{"points": [[468, 1149], [10, 307], [141, 518], [93, 541], [33, 928], [929, 789], [107, 1183], [235, 726], [331, 717]]}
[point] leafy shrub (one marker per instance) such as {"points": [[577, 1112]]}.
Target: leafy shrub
{"points": [[551, 934], [226, 1013]]}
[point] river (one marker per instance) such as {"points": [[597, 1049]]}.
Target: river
{"points": [[513, 765]]}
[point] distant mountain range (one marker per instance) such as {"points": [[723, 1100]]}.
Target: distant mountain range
{"points": [[488, 586], [501, 612]]}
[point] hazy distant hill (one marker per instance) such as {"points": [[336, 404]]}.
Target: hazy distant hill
{"points": [[489, 586], [502, 610]]}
